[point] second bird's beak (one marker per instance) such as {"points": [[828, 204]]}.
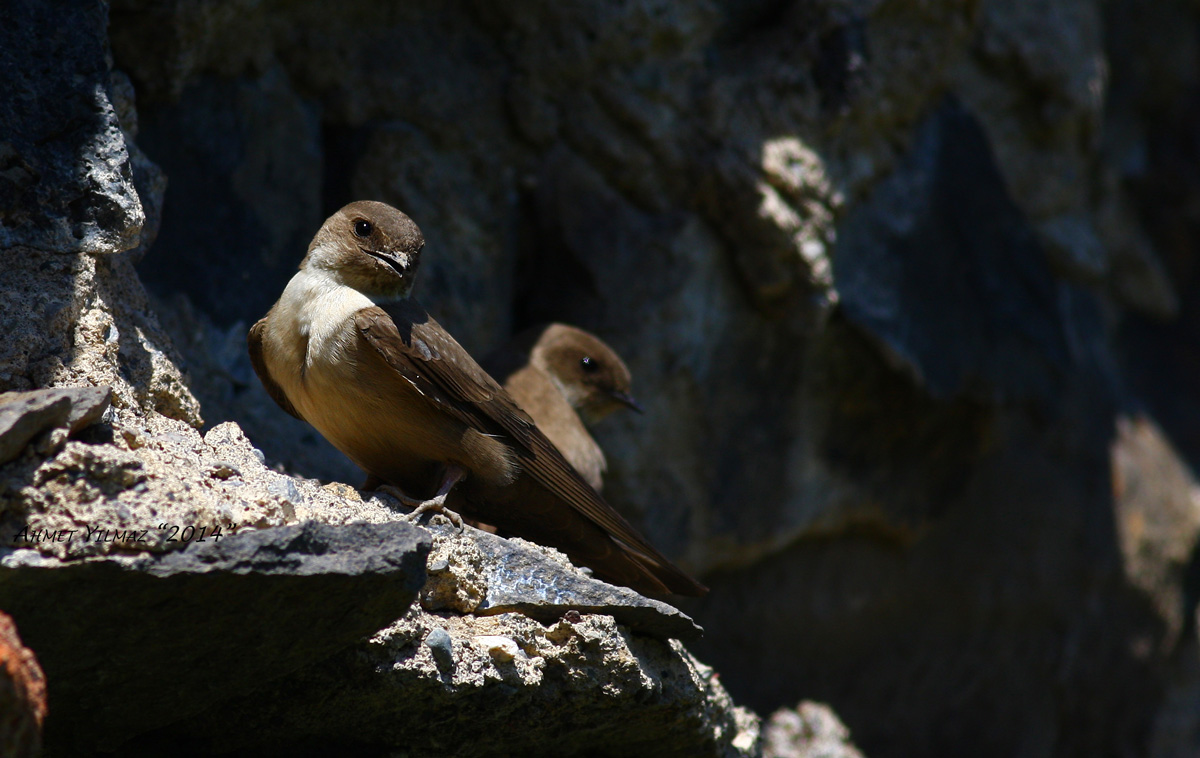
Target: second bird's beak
{"points": [[627, 400]]}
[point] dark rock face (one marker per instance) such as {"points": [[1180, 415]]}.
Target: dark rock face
{"points": [[223, 141], [168, 635], [940, 266], [66, 182]]}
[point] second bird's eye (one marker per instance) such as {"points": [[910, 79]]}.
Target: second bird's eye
{"points": [[362, 228], [588, 364]]}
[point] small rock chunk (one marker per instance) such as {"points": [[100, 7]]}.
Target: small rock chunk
{"points": [[523, 578], [24, 415]]}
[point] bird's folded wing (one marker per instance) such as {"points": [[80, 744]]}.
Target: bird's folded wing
{"points": [[426, 355], [254, 342]]}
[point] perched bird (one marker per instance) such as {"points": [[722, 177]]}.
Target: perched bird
{"points": [[565, 378], [347, 349]]}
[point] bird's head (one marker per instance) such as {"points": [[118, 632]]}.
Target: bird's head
{"points": [[369, 246], [592, 376]]}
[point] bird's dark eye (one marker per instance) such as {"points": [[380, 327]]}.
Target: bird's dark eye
{"points": [[588, 364], [362, 228]]}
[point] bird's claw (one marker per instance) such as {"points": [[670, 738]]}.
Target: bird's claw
{"points": [[435, 505]]}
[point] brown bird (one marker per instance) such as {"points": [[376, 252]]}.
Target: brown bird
{"points": [[349, 351], [565, 378]]}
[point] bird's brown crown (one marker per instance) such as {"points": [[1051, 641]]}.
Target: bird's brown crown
{"points": [[369, 246], [594, 378]]}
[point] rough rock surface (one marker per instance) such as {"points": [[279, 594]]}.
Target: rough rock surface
{"points": [[79, 320], [144, 478], [487, 686], [66, 182], [480, 573], [217, 618]]}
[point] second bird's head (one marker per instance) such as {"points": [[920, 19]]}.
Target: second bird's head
{"points": [[369, 246], [590, 374]]}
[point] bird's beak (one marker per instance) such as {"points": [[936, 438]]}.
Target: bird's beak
{"points": [[627, 400], [400, 262]]}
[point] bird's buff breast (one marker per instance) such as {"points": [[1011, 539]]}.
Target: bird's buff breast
{"points": [[377, 423], [366, 409]]}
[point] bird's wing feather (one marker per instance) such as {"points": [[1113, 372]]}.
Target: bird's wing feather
{"points": [[428, 358], [254, 343], [425, 355]]}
